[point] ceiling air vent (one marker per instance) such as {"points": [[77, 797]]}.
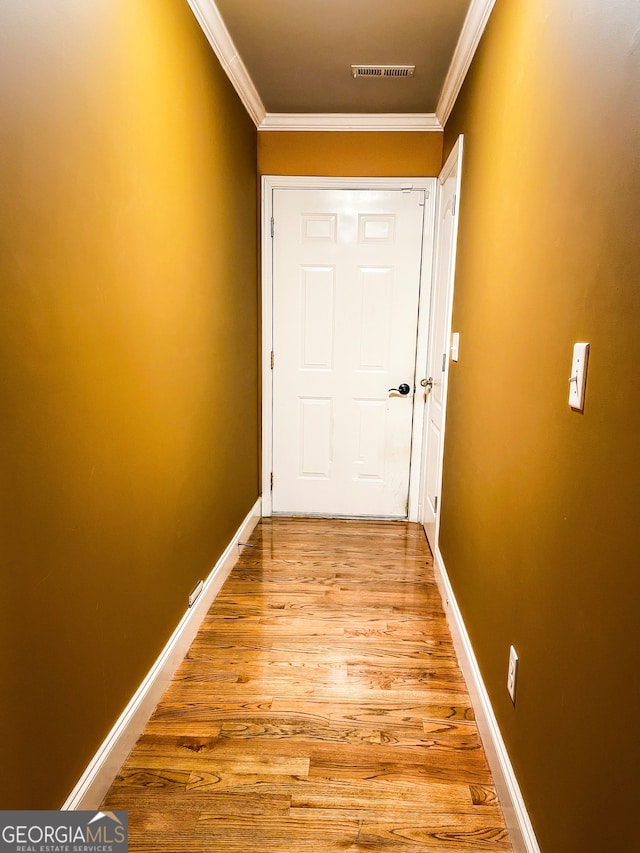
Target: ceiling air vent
{"points": [[383, 70]]}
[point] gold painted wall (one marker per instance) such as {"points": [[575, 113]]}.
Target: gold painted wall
{"points": [[350, 154], [128, 360], [540, 504]]}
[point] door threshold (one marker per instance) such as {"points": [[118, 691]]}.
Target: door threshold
{"points": [[339, 517]]}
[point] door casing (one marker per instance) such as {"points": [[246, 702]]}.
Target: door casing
{"points": [[269, 184]]}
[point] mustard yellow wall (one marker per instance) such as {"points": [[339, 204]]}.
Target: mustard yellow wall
{"points": [[540, 505], [128, 360], [350, 154]]}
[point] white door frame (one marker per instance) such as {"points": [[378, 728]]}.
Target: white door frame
{"points": [[273, 182], [453, 163]]}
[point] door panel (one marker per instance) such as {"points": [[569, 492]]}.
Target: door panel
{"points": [[439, 334], [438, 350], [318, 308], [346, 276], [315, 418]]}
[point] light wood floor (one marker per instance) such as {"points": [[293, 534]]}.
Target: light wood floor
{"points": [[320, 708]]}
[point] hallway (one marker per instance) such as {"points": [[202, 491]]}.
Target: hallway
{"points": [[320, 708]]}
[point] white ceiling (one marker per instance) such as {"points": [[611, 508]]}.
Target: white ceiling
{"points": [[289, 60]]}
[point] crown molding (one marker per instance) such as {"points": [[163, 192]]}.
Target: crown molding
{"points": [[472, 30], [350, 121], [208, 16]]}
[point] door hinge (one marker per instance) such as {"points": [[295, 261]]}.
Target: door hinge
{"points": [[435, 506], [273, 359], [444, 361], [454, 206], [272, 481], [273, 226]]}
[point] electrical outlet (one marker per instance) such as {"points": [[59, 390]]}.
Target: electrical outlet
{"points": [[512, 674], [196, 592]]}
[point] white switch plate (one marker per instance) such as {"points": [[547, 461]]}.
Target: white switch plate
{"points": [[578, 379], [455, 345], [512, 674]]}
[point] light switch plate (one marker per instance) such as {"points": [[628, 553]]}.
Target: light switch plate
{"points": [[578, 378], [455, 345]]}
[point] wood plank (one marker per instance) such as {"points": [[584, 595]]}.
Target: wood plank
{"points": [[389, 710], [464, 835], [437, 767]]}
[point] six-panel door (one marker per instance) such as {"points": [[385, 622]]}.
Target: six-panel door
{"points": [[346, 284]]}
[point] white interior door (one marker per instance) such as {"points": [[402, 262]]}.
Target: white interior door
{"points": [[346, 282], [446, 230]]}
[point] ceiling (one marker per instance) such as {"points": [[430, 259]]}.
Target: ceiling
{"points": [[290, 60]]}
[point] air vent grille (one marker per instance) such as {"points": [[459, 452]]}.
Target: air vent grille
{"points": [[383, 70]]}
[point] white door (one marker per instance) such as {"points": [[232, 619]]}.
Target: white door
{"points": [[447, 205], [346, 281]]}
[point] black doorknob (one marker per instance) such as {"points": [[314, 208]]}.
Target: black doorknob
{"points": [[402, 389]]}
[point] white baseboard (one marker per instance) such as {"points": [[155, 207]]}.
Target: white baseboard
{"points": [[99, 775], [516, 817]]}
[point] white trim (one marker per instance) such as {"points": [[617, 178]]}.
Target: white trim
{"points": [[273, 182], [210, 20], [521, 833], [351, 121], [266, 288], [96, 780], [472, 30]]}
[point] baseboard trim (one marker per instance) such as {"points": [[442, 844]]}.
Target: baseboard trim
{"points": [[100, 773], [516, 816]]}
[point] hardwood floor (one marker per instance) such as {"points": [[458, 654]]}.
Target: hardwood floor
{"points": [[320, 708]]}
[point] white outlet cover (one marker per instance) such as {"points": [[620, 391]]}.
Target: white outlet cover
{"points": [[455, 346], [196, 592], [512, 673]]}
